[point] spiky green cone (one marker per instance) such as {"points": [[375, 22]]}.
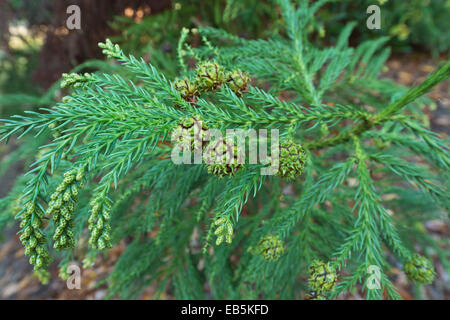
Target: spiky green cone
{"points": [[322, 277], [222, 158], [238, 81], [188, 89], [191, 133], [270, 248], [292, 159], [419, 269], [210, 75]]}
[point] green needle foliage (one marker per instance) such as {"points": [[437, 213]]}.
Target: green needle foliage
{"points": [[349, 141]]}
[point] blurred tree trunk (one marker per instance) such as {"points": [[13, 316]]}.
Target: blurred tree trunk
{"points": [[63, 49]]}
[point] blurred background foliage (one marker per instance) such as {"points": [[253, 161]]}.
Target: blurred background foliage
{"points": [[36, 47], [413, 24]]}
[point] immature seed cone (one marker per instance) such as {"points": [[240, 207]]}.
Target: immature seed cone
{"points": [[270, 247], [322, 277], [292, 158], [62, 272], [187, 89], [419, 269], [191, 133], [238, 81], [223, 158], [210, 75]]}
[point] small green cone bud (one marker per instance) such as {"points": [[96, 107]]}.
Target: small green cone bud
{"points": [[23, 237], [27, 231], [106, 214], [75, 80], [38, 234], [41, 250], [66, 99], [63, 274], [100, 223], [238, 81], [67, 181], [70, 207], [39, 262], [322, 277], [110, 49], [270, 248], [95, 209], [58, 203], [95, 233], [187, 89], [210, 75], [74, 190], [80, 174], [62, 223], [220, 221], [292, 158], [101, 243], [30, 207], [219, 240], [224, 230], [107, 237], [229, 229], [219, 230], [419, 269], [28, 250], [223, 158], [36, 222], [39, 213], [66, 196], [32, 242]]}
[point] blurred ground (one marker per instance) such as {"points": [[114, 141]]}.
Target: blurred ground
{"points": [[412, 69], [17, 282]]}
